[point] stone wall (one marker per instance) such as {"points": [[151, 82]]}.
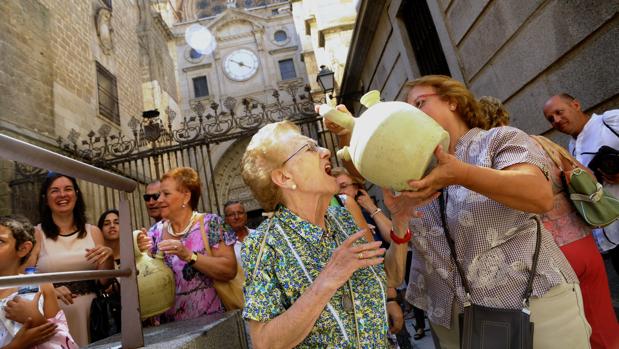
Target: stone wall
{"points": [[525, 51], [26, 66]]}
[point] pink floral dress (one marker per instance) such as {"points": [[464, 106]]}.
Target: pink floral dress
{"points": [[195, 294]]}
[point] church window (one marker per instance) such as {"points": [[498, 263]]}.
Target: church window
{"points": [[286, 68], [108, 94], [200, 87], [280, 36]]}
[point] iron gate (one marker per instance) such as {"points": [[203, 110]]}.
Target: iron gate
{"points": [[202, 140]]}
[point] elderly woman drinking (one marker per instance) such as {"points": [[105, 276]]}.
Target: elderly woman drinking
{"points": [[181, 237], [312, 280]]}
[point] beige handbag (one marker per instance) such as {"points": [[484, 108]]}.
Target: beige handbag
{"points": [[230, 292]]}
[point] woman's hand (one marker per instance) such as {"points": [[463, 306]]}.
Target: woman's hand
{"points": [[20, 309], [98, 254], [145, 243], [403, 208], [347, 259], [449, 170], [364, 200], [396, 317], [64, 294], [175, 247], [30, 335], [332, 126]]}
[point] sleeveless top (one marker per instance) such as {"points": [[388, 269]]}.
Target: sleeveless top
{"points": [[66, 253]]}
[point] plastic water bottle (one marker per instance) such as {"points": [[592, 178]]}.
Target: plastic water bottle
{"points": [[33, 288]]}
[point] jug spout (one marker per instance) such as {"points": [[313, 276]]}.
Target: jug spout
{"points": [[370, 98], [344, 154], [343, 119]]}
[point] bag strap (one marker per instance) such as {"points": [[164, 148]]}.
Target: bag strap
{"points": [[207, 246], [262, 244], [452, 248], [610, 128], [564, 161]]}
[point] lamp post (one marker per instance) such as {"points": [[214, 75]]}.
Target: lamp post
{"points": [[325, 79]]}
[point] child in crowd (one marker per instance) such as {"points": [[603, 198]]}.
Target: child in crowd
{"points": [[31, 319]]}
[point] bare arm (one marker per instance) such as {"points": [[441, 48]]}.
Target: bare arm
{"points": [[292, 326], [357, 216], [383, 223], [521, 186], [220, 266]]}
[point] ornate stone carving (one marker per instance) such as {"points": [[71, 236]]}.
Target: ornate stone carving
{"points": [[103, 20]]}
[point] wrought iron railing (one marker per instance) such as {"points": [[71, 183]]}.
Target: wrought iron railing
{"points": [[12, 149]]}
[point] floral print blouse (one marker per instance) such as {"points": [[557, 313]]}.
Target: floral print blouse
{"points": [[195, 294], [294, 254]]}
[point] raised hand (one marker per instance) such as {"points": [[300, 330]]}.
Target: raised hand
{"points": [[348, 258]]}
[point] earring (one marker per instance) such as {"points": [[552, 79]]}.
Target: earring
{"points": [[452, 107], [294, 186], [183, 205]]}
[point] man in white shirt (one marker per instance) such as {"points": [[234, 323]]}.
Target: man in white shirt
{"points": [[236, 217], [589, 133]]}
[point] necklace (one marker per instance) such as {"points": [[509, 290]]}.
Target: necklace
{"points": [[194, 214]]}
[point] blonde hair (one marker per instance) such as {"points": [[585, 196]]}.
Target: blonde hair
{"points": [[454, 92], [494, 111], [186, 178], [262, 156], [338, 171]]}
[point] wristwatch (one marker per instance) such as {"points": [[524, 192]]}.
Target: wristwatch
{"points": [[193, 259]]}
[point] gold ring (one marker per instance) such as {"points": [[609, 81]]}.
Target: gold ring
{"points": [[360, 255]]}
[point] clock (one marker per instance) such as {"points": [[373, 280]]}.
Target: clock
{"points": [[241, 65]]}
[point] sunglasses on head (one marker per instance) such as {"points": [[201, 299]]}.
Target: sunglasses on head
{"points": [[147, 197]]}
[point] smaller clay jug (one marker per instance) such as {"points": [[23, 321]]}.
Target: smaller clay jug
{"points": [[391, 142], [156, 286]]}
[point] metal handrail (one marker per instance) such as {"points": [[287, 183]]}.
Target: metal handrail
{"points": [[16, 150], [65, 276], [131, 327]]}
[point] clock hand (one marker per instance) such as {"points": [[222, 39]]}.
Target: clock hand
{"points": [[241, 64]]}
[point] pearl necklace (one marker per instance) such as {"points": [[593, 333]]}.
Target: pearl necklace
{"points": [[187, 228]]}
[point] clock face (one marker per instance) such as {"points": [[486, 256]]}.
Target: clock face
{"points": [[241, 65]]}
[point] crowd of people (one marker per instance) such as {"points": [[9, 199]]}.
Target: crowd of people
{"points": [[324, 269]]}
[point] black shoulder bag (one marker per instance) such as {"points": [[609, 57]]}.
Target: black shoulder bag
{"points": [[105, 312], [485, 327]]}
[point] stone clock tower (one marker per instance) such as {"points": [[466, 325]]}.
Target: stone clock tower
{"points": [[257, 51]]}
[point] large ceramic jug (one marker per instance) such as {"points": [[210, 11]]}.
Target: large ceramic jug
{"points": [[156, 286], [391, 142]]}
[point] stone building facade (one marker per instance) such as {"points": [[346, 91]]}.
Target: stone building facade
{"points": [[325, 29], [67, 69], [257, 52], [519, 51]]}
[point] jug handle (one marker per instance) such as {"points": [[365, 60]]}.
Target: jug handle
{"points": [[344, 154], [345, 120], [136, 250]]}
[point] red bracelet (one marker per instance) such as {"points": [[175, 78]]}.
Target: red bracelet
{"points": [[398, 240]]}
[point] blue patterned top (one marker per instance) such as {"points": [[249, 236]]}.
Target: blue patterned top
{"points": [[295, 252]]}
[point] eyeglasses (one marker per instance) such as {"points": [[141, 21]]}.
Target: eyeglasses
{"points": [[148, 197], [235, 214], [420, 103], [346, 185], [311, 146]]}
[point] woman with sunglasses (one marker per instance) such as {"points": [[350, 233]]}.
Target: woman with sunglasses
{"points": [[65, 242], [181, 236], [312, 279]]}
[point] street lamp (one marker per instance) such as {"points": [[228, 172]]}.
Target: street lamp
{"points": [[325, 79]]}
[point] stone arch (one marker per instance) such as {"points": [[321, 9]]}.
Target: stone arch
{"points": [[230, 185]]}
